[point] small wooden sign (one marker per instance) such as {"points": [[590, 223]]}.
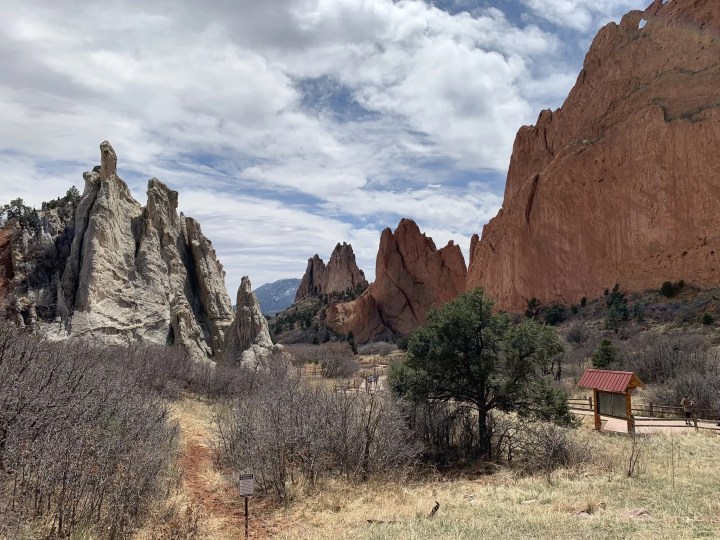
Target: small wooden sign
{"points": [[247, 484]]}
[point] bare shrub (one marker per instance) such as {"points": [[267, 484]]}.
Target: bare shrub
{"points": [[447, 430], [303, 353], [337, 360], [637, 445], [531, 446], [679, 364], [83, 442], [292, 436], [660, 357], [379, 348], [218, 380], [577, 334]]}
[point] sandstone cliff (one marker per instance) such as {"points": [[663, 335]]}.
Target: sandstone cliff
{"points": [[248, 340], [130, 273], [339, 276], [311, 282], [412, 276], [621, 184]]}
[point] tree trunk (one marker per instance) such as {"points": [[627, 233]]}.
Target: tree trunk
{"points": [[484, 443]]}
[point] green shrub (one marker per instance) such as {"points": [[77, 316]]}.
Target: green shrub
{"points": [[669, 289], [605, 355], [617, 312], [533, 307], [707, 318], [554, 314]]}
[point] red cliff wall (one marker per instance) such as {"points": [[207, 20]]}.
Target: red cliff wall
{"points": [[621, 184]]}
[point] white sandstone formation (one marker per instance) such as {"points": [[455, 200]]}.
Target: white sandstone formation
{"points": [[249, 341], [141, 273]]}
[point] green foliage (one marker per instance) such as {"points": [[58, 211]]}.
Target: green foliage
{"points": [[605, 355], [583, 301], [533, 308], [637, 312], [294, 319], [72, 197], [347, 295], [617, 312], [554, 314], [27, 216], [351, 341], [574, 309], [707, 318], [669, 289], [467, 353]]}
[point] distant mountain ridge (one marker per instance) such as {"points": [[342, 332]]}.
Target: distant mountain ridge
{"points": [[277, 296]]}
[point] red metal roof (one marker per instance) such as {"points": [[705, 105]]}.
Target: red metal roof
{"points": [[606, 380]]}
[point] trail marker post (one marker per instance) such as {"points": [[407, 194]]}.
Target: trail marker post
{"points": [[247, 485]]}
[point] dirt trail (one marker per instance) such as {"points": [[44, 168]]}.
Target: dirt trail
{"points": [[207, 494], [205, 488]]}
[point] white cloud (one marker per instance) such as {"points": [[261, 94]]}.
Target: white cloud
{"points": [[582, 15], [210, 98]]}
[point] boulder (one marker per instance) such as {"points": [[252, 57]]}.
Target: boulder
{"points": [[621, 183]]}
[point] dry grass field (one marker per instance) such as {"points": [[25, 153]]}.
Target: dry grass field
{"points": [[596, 500]]}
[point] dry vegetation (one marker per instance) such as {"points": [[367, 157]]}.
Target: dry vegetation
{"points": [[84, 439], [143, 443], [590, 500]]}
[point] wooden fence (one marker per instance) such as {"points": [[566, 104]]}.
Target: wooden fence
{"points": [[651, 415], [582, 404]]}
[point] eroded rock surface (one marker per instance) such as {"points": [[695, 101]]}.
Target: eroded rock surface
{"points": [[622, 183], [311, 283], [128, 273], [341, 274], [248, 341], [412, 276]]}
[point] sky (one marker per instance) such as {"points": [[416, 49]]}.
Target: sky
{"points": [[288, 126]]}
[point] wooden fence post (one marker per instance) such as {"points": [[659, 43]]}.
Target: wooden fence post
{"points": [[590, 406], [695, 421], [651, 409]]}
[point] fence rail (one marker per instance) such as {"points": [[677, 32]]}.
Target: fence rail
{"points": [[585, 404], [651, 410], [651, 415]]}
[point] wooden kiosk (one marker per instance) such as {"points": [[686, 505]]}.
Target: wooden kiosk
{"points": [[612, 392]]}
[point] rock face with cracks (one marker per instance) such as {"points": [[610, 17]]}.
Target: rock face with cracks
{"points": [[412, 276], [622, 183], [138, 274], [340, 275], [248, 341]]}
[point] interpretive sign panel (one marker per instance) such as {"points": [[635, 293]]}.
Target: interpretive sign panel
{"points": [[247, 484]]}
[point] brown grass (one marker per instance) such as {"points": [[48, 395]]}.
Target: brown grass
{"points": [[586, 502], [206, 505]]}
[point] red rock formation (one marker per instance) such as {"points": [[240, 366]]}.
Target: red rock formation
{"points": [[312, 280], [621, 184], [412, 276], [341, 274]]}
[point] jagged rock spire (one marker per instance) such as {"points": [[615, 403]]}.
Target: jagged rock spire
{"points": [[249, 341]]}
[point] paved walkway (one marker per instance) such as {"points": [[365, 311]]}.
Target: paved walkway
{"points": [[644, 424]]}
